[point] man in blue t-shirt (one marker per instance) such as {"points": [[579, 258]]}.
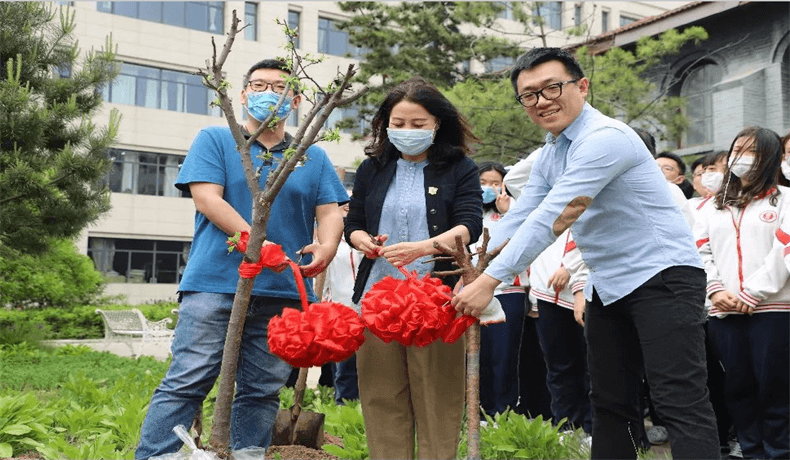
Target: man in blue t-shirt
{"points": [[214, 175]]}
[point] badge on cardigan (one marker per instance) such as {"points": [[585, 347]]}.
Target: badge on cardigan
{"points": [[432, 190]]}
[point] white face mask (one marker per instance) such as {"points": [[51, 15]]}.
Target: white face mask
{"points": [[712, 180], [786, 170], [741, 166]]}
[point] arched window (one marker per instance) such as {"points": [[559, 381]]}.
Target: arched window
{"points": [[698, 90]]}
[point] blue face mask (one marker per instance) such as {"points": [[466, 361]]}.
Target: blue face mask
{"points": [[259, 105], [411, 142], [489, 194]]}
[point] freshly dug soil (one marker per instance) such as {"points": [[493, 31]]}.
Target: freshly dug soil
{"points": [[305, 453]]}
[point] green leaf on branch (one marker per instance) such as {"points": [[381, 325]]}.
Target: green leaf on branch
{"points": [[233, 240]]}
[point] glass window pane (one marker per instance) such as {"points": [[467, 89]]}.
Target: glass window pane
{"points": [[115, 177], [147, 93], [172, 96], [323, 35], [146, 179], [122, 90], [126, 9], [197, 16], [251, 21], [293, 23], [104, 7], [150, 11], [173, 13], [216, 19], [197, 100]]}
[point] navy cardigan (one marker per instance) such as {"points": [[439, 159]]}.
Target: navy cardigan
{"points": [[452, 197]]}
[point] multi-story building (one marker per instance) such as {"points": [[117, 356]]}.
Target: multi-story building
{"points": [[143, 243]]}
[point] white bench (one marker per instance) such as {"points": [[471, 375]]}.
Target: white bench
{"points": [[133, 329]]}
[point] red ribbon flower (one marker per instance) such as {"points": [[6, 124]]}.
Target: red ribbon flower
{"points": [[324, 332], [320, 333], [412, 311]]}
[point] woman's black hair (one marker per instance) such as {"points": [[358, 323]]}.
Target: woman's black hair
{"points": [[762, 176], [492, 166], [714, 157], [453, 138]]}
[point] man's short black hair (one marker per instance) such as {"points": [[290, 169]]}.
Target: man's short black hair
{"points": [[647, 138], [276, 64], [698, 162], [676, 159], [537, 56]]}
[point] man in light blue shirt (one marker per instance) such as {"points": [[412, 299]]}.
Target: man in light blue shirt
{"points": [[645, 295]]}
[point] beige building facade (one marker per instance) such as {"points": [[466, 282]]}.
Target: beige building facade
{"points": [[143, 243]]}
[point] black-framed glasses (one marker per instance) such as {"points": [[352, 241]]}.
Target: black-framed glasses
{"points": [[549, 92], [262, 85]]}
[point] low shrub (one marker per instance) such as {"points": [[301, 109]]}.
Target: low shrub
{"points": [[60, 277], [70, 323]]}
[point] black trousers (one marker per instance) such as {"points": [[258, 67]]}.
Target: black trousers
{"points": [[658, 329]]}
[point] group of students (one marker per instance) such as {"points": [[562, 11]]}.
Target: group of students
{"points": [[594, 233]]}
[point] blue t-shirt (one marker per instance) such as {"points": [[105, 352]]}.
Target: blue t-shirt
{"points": [[213, 158]]}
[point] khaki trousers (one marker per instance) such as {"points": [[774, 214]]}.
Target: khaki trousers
{"points": [[408, 389]]}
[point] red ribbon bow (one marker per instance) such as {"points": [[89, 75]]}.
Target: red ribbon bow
{"points": [[320, 333], [412, 311]]}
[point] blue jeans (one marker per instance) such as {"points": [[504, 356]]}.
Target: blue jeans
{"points": [[346, 386], [197, 356], [565, 352]]}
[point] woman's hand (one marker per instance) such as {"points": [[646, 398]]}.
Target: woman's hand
{"points": [[367, 244], [724, 301], [502, 200], [400, 254], [559, 279], [579, 306]]}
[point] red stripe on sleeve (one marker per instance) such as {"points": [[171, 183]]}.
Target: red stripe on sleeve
{"points": [[702, 241], [783, 237], [570, 246]]}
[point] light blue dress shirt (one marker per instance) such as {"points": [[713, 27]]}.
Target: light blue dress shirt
{"points": [[631, 230], [403, 218]]}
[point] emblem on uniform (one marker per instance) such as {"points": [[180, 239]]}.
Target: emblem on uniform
{"points": [[432, 190], [769, 216]]}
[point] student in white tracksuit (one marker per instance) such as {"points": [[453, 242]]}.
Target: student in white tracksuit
{"points": [[500, 343], [561, 339], [748, 287]]}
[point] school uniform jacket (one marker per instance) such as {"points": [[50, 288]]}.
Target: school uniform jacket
{"points": [[742, 253], [541, 269]]}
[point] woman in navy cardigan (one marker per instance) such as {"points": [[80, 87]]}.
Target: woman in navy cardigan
{"points": [[416, 187]]}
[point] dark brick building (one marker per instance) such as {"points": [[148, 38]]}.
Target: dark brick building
{"points": [[739, 77]]}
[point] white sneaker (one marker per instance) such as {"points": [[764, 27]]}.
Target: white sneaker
{"points": [[657, 435], [735, 450]]}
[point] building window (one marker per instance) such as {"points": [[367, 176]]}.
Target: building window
{"points": [[251, 21], [139, 261], [577, 15], [294, 19], [698, 90], [205, 16], [157, 88], [625, 20], [348, 179], [335, 42], [550, 12], [144, 173], [507, 12], [499, 63], [342, 113], [604, 21]]}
